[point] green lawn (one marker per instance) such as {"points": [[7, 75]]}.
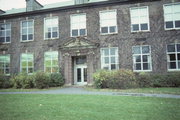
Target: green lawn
{"points": [[87, 107], [175, 91]]}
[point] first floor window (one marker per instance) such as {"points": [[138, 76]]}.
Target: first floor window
{"points": [[173, 56], [51, 62], [5, 64], [27, 63], [109, 58], [142, 58], [5, 33], [27, 30]]}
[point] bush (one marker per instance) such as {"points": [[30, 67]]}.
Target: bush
{"points": [[56, 79], [4, 81], [42, 80]]}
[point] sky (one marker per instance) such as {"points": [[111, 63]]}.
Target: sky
{"points": [[9, 4]]}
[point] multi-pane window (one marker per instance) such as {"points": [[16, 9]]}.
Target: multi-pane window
{"points": [[108, 21], [27, 63], [5, 33], [109, 58], [173, 56], [172, 16], [5, 64], [142, 58], [139, 19], [27, 30], [51, 62], [51, 28], [78, 25]]}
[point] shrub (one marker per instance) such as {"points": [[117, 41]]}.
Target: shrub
{"points": [[56, 79], [144, 80], [4, 81], [42, 80], [173, 79]]}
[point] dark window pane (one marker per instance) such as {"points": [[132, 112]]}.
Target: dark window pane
{"points": [[178, 56], [112, 29], [24, 37], [145, 66], [7, 71], [178, 47], [2, 39], [104, 29], [171, 48], [145, 58], [135, 27], [145, 49], [85, 74], [172, 57], [54, 34], [172, 65], [75, 32], [7, 39], [178, 65], [138, 66], [138, 58], [79, 75], [144, 26], [2, 27], [82, 32], [30, 37], [113, 66], [81, 60], [49, 35], [177, 24], [169, 24]]}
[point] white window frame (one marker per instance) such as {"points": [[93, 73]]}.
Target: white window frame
{"points": [[172, 4], [51, 28], [116, 57], [27, 30], [51, 61], [80, 28], [4, 62], [141, 54], [27, 64], [100, 21], [5, 32], [167, 53], [148, 30]]}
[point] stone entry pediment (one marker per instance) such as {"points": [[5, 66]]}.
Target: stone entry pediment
{"points": [[78, 43]]}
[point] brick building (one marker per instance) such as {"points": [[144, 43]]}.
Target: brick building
{"points": [[82, 36]]}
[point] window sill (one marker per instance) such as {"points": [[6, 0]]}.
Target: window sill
{"points": [[173, 70], [26, 41], [145, 31], [79, 36], [104, 34], [142, 70], [4, 43], [172, 29], [51, 39]]}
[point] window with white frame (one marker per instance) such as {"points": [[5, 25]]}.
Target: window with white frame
{"points": [[51, 28], [27, 63], [173, 56], [78, 25], [172, 16], [109, 58], [51, 62], [142, 58], [108, 21], [5, 33], [27, 30], [139, 19], [5, 64]]}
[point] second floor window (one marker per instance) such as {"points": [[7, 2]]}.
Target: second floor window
{"points": [[5, 64], [139, 19], [108, 22], [172, 16], [27, 30], [78, 25], [5, 33], [27, 63], [51, 28]]}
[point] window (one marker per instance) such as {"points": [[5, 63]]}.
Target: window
{"points": [[27, 30], [51, 62], [27, 64], [78, 25], [173, 56], [139, 19], [108, 21], [5, 64], [109, 58], [142, 58], [51, 28], [172, 16], [5, 33]]}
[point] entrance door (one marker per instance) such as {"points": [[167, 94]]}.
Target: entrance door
{"points": [[80, 71]]}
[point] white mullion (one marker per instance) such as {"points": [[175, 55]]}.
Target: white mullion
{"points": [[176, 57], [141, 59]]}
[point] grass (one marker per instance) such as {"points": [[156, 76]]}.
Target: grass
{"points": [[164, 90], [87, 107]]}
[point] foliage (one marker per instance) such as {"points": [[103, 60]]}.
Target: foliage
{"points": [[42, 80], [56, 79], [4, 81]]}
